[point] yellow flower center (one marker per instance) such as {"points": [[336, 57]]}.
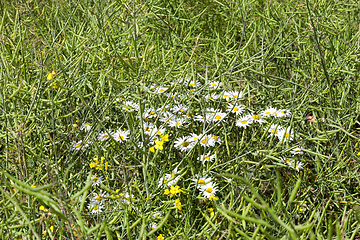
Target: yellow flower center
{"points": [[287, 160], [152, 112], [226, 95], [178, 123], [283, 111], [96, 208], [218, 117], [206, 158], [181, 110], [267, 113], [121, 137], [161, 90], [209, 190], [78, 146], [235, 96], [147, 129], [95, 180], [235, 109], [210, 98], [105, 136], [243, 122], [201, 181], [214, 84], [256, 117], [185, 144], [192, 84], [287, 135]]}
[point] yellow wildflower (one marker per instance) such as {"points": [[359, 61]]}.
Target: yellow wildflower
{"points": [[178, 204], [213, 198], [160, 237]]}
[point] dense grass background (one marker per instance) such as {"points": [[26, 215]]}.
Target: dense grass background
{"points": [[298, 55]]}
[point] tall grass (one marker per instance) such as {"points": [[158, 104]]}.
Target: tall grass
{"points": [[65, 64]]}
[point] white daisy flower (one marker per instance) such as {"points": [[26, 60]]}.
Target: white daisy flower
{"points": [[96, 180], [208, 189], [199, 118], [194, 137], [218, 116], [283, 113], [236, 94], [298, 166], [161, 90], [206, 158], [285, 134], [288, 161], [167, 117], [80, 145], [216, 139], [156, 214], [200, 181], [120, 136], [237, 109], [194, 84], [152, 226], [169, 179], [149, 128], [127, 197], [177, 122], [215, 84], [131, 106], [85, 127], [179, 109], [296, 151], [227, 95], [269, 112], [256, 118], [95, 207], [211, 97], [274, 129], [244, 122], [183, 144], [103, 136], [99, 197], [150, 113], [207, 141]]}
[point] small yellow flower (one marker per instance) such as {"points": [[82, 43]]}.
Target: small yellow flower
{"points": [[107, 166], [213, 198], [49, 76], [159, 145], [33, 185], [52, 228], [160, 237], [358, 154], [75, 126], [165, 138], [178, 204], [211, 211], [152, 149], [92, 165], [173, 191], [42, 208], [55, 85]]}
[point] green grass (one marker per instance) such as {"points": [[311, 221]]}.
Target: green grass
{"points": [[302, 56]]}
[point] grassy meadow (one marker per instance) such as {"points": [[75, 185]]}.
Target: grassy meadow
{"points": [[179, 119]]}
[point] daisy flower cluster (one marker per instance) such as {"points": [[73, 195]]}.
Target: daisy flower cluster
{"points": [[190, 134]]}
